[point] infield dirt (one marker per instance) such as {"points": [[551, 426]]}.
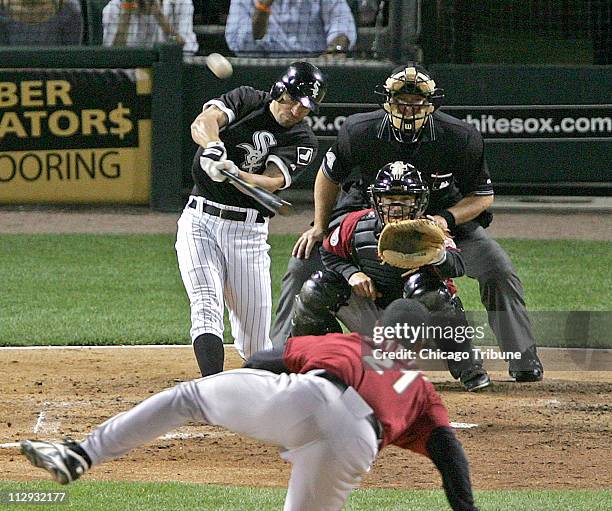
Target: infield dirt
{"points": [[132, 219], [549, 435]]}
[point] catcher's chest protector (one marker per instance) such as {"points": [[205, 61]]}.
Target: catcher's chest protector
{"points": [[387, 279]]}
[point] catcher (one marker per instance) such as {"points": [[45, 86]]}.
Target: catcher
{"points": [[377, 255]]}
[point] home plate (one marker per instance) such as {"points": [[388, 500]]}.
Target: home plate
{"points": [[463, 425]]}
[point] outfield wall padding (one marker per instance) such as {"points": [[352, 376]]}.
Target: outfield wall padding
{"points": [[544, 126]]}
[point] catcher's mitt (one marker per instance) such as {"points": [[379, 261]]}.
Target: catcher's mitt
{"points": [[411, 243]]}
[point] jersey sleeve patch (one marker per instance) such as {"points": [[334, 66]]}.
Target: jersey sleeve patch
{"points": [[330, 159], [335, 237], [304, 155]]}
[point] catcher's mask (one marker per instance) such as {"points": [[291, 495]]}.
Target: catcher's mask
{"points": [[409, 96], [304, 83], [399, 193]]}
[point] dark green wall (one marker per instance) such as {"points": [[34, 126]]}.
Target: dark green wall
{"points": [[545, 162], [552, 165]]}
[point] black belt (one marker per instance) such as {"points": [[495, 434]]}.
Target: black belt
{"points": [[376, 425], [225, 214]]}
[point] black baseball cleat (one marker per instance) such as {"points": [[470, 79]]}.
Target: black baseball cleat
{"points": [[65, 461], [528, 369], [475, 379]]}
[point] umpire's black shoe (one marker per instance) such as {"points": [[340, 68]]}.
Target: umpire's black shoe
{"points": [[66, 461], [528, 368], [475, 379]]}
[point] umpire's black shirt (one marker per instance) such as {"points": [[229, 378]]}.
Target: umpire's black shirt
{"points": [[449, 153]]}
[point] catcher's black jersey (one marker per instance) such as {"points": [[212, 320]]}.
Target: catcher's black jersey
{"points": [[252, 138], [449, 154]]}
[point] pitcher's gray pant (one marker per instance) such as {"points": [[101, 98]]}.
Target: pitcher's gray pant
{"points": [[501, 291], [322, 431]]}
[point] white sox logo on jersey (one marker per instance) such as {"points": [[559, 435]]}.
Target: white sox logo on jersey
{"points": [[255, 154]]}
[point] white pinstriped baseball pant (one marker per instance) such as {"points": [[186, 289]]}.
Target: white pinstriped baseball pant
{"points": [[322, 431], [226, 262]]}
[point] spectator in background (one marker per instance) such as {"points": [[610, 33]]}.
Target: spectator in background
{"points": [[211, 13], [40, 22], [276, 28], [145, 22], [366, 11]]}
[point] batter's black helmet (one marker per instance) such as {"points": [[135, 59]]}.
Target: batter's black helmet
{"points": [[399, 179], [405, 117], [304, 83]]}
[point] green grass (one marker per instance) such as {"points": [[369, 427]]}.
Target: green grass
{"points": [[109, 496], [557, 275], [126, 289]]}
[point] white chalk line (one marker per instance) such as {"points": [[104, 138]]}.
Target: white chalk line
{"points": [[167, 436], [9, 445], [463, 425], [39, 421], [190, 436], [48, 427]]}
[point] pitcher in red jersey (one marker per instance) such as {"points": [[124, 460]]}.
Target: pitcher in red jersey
{"points": [[334, 404]]}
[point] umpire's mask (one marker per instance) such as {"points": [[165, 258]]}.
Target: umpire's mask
{"points": [[410, 96]]}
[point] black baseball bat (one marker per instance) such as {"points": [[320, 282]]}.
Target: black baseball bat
{"points": [[267, 199]]}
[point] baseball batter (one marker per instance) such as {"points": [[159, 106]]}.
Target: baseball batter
{"points": [[330, 419], [221, 241]]}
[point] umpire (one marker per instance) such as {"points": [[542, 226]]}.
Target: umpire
{"points": [[450, 154]]}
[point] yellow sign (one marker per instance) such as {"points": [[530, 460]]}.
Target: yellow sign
{"points": [[75, 136]]}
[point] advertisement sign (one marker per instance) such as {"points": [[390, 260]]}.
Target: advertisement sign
{"points": [[75, 135], [507, 123]]}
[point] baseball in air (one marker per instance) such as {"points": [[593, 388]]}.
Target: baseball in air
{"points": [[219, 66]]}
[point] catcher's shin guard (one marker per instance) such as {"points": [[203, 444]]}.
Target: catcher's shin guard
{"points": [[458, 343], [315, 305], [448, 318]]}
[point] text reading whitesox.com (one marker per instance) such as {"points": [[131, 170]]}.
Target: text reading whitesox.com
{"points": [[494, 125]]}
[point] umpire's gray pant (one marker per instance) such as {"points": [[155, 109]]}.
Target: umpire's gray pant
{"points": [[501, 291]]}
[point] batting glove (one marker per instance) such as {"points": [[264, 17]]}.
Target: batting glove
{"points": [[212, 153], [215, 151], [213, 169]]}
